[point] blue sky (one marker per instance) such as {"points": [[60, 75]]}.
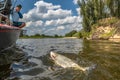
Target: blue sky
{"points": [[50, 16]]}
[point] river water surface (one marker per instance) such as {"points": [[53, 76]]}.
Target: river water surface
{"points": [[30, 60]]}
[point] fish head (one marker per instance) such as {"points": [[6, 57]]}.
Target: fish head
{"points": [[53, 55]]}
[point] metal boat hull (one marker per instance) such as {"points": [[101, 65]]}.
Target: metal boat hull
{"points": [[8, 36]]}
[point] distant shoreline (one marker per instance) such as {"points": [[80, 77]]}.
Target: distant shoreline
{"points": [[70, 37], [47, 37]]}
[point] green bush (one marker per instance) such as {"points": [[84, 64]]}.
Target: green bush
{"points": [[78, 35]]}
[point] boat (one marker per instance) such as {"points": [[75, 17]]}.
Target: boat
{"points": [[8, 34]]}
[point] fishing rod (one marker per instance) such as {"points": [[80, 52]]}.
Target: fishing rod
{"points": [[15, 1], [3, 15]]}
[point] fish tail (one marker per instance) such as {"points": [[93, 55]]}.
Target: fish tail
{"points": [[89, 69]]}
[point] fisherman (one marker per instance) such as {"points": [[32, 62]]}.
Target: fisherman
{"points": [[16, 15]]}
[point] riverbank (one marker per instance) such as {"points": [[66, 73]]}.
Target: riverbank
{"points": [[106, 29]]}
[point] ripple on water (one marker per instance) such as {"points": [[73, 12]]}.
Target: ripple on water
{"points": [[35, 63]]}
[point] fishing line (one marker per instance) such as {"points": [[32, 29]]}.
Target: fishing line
{"points": [[21, 1], [15, 1]]}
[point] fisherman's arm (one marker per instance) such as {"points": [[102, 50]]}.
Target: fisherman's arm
{"points": [[20, 15]]}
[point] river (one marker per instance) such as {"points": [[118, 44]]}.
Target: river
{"points": [[30, 60]]}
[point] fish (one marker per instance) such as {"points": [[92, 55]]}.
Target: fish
{"points": [[66, 62]]}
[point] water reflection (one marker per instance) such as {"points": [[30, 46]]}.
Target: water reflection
{"points": [[106, 55]]}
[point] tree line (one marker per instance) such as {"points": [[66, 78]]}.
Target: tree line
{"points": [[24, 35], [94, 10]]}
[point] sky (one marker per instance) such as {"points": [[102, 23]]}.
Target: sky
{"points": [[50, 17]]}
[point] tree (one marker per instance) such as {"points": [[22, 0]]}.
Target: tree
{"points": [[56, 36], [70, 33], [37, 35], [85, 15], [94, 10]]}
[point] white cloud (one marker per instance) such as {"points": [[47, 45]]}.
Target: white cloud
{"points": [[75, 1], [60, 27], [65, 21], [78, 11], [43, 5], [56, 14], [46, 18]]}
